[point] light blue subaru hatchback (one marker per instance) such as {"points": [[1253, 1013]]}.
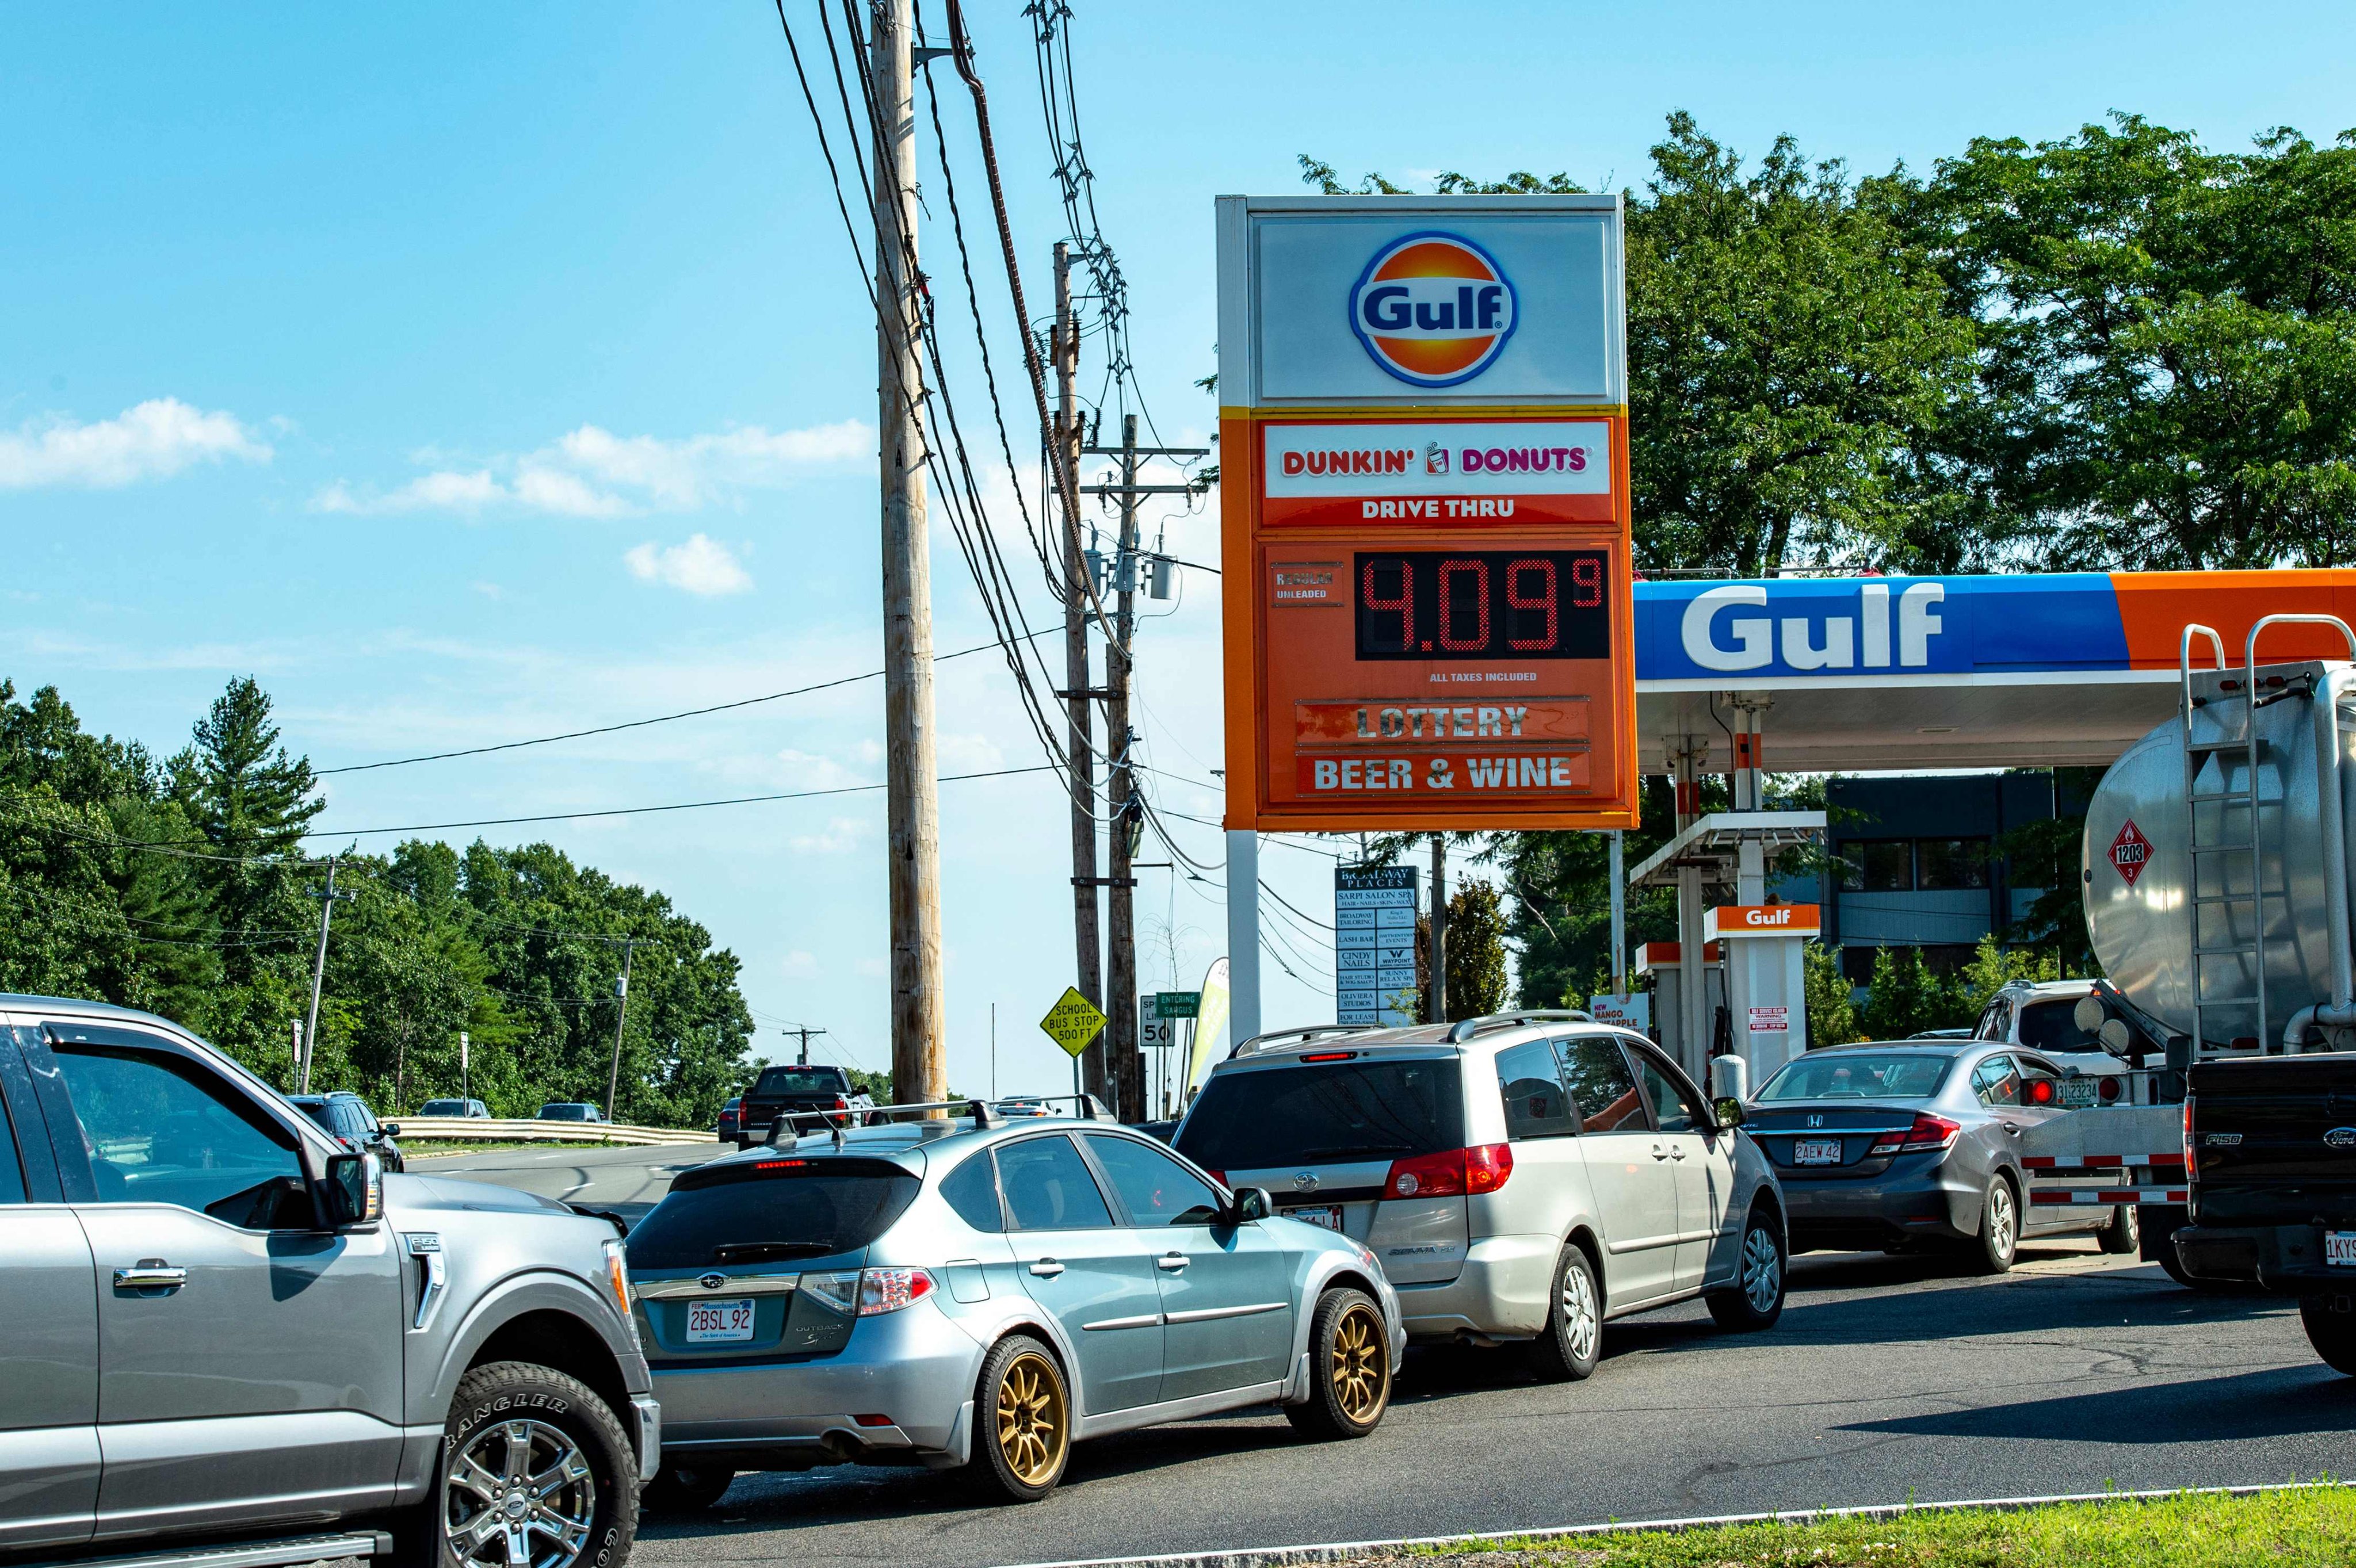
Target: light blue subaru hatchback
{"points": [[967, 1291]]}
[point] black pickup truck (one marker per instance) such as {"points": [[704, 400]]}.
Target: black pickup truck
{"points": [[788, 1089], [2270, 1155]]}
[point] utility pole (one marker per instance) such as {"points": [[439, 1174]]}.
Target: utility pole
{"points": [[1438, 1011], [805, 1031], [621, 1013], [919, 1009], [1127, 1064], [326, 898], [1079, 746]]}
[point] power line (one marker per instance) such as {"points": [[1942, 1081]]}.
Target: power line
{"points": [[641, 723], [647, 810]]}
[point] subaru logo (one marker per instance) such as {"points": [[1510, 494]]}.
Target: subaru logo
{"points": [[712, 1281], [1815, 1121], [1304, 1181], [2341, 1137]]}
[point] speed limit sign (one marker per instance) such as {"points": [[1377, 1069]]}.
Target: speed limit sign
{"points": [[1153, 1033]]}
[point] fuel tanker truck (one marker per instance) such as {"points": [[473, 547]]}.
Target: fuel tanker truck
{"points": [[2216, 870]]}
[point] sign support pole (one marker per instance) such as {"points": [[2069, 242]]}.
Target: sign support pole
{"points": [[1619, 920], [1243, 935]]}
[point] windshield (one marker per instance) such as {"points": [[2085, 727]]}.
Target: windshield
{"points": [[563, 1113], [799, 1081], [1860, 1075], [2053, 1026], [772, 1212], [1331, 1114]]}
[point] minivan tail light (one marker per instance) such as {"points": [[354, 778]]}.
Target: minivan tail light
{"points": [[1450, 1173]]}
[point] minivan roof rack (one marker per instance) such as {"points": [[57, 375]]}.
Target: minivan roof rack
{"points": [[1302, 1035], [1467, 1028]]}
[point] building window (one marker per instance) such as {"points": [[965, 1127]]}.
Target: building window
{"points": [[1877, 866], [1952, 865], [1856, 964]]}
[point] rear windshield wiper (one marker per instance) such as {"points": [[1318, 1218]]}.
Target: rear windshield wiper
{"points": [[770, 1251]]}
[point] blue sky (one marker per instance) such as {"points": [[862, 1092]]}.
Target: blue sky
{"points": [[471, 373]]}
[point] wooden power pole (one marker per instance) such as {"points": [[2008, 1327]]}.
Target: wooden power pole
{"points": [[919, 1021], [1081, 742], [1120, 1031]]}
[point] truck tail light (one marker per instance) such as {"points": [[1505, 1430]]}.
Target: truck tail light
{"points": [[1928, 1132], [890, 1289], [2040, 1092], [1450, 1173]]}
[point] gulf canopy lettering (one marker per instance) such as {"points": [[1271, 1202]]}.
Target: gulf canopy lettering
{"points": [[1718, 636]]}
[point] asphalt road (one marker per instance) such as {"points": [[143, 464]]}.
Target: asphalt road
{"points": [[628, 1180], [1887, 1379]]}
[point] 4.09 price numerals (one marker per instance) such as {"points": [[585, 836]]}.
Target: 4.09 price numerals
{"points": [[1482, 605]]}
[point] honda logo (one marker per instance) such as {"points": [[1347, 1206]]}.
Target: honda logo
{"points": [[1815, 1121]]}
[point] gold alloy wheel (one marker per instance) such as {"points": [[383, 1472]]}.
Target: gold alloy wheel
{"points": [[1034, 1427], [1361, 1365]]}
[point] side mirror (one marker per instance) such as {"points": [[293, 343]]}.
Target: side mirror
{"points": [[1250, 1204], [355, 1189], [1729, 1111], [389, 1129]]}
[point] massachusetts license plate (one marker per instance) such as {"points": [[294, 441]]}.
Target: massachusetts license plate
{"points": [[2340, 1248], [719, 1321], [1329, 1216], [1817, 1151], [2077, 1094]]}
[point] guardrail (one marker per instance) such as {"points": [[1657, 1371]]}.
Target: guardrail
{"points": [[526, 1129]]}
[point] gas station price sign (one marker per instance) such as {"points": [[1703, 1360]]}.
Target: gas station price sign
{"points": [[1425, 514]]}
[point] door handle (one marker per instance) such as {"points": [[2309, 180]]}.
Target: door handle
{"points": [[1660, 1152], [1676, 1152], [1172, 1262], [150, 1274], [2008, 1128], [1046, 1268]]}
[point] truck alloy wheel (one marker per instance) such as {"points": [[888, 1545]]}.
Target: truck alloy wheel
{"points": [[535, 1473]]}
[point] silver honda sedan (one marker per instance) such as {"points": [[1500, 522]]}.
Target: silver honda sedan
{"points": [[1915, 1144], [970, 1292]]}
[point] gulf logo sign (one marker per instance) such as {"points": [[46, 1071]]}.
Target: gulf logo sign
{"points": [[1433, 309]]}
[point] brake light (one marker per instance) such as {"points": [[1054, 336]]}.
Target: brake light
{"points": [[1450, 1173], [2189, 1169], [1928, 1132], [2041, 1092], [890, 1289], [1329, 1056], [841, 1104], [2107, 1090], [1221, 1178]]}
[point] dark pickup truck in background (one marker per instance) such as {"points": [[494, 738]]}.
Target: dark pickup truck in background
{"points": [[783, 1090], [2270, 1155]]}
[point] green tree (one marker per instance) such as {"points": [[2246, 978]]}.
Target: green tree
{"points": [[1831, 1003], [2169, 338], [1906, 997], [1476, 951]]}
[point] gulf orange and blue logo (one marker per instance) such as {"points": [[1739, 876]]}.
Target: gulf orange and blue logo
{"points": [[1433, 309]]}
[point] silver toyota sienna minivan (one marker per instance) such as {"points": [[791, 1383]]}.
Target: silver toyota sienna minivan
{"points": [[1522, 1176]]}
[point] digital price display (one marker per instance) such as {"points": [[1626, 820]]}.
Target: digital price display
{"points": [[1482, 605]]}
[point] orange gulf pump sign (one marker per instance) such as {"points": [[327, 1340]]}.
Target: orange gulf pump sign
{"points": [[1424, 508]]}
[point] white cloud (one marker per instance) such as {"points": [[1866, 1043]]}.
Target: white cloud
{"points": [[968, 754], [701, 566], [592, 473], [799, 965], [843, 835], [153, 439]]}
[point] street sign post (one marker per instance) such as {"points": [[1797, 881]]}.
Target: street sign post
{"points": [[1374, 944]]}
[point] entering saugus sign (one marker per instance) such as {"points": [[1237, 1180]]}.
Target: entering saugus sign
{"points": [[1425, 512]]}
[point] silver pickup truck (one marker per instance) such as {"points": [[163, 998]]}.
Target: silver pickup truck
{"points": [[226, 1342]]}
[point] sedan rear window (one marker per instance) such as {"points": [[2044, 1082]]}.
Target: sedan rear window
{"points": [[1860, 1075], [771, 1211], [2053, 1026], [1330, 1113]]}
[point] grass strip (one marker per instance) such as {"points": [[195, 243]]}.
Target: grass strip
{"points": [[2288, 1528]]}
